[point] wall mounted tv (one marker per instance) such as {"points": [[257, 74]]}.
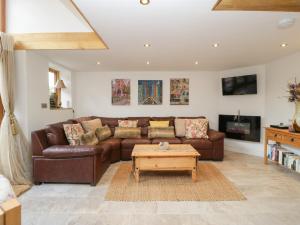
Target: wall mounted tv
{"points": [[241, 85]]}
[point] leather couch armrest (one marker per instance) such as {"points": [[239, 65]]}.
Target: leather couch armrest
{"points": [[67, 151], [214, 135]]}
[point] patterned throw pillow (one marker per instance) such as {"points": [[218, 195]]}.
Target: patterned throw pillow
{"points": [[159, 123], [127, 123], [196, 128], [91, 125], [161, 132], [73, 133], [127, 132], [180, 127], [103, 133], [89, 139]]}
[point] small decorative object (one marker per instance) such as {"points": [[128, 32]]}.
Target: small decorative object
{"points": [[179, 91], [294, 96], [291, 127], [150, 92], [163, 145], [120, 92]]}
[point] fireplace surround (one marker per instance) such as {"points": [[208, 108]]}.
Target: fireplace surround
{"points": [[246, 128]]}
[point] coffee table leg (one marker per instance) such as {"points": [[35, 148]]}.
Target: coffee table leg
{"points": [[194, 171], [137, 174]]}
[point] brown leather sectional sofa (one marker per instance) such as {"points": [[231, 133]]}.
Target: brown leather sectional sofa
{"points": [[54, 160]]}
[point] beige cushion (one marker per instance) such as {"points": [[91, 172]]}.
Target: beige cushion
{"points": [[73, 133], [180, 127], [196, 128], [91, 125], [127, 132], [161, 132], [103, 133], [89, 139], [127, 123]]}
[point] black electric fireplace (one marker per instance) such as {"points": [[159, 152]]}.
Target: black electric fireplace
{"points": [[238, 127]]}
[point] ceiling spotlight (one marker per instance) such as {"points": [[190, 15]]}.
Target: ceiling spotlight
{"points": [[196, 63], [284, 45], [148, 63], [147, 45], [98, 63], [144, 2], [215, 45]]}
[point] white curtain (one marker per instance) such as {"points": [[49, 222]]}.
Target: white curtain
{"points": [[15, 157]]}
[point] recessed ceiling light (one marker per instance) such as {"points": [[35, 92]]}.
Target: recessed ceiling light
{"points": [[144, 2], [147, 62], [147, 45], [98, 63], [215, 45], [196, 63], [284, 45]]}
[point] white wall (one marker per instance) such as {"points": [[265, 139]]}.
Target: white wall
{"points": [[92, 95], [31, 91], [279, 73], [249, 105]]}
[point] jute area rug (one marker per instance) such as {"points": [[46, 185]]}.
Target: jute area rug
{"points": [[212, 185]]}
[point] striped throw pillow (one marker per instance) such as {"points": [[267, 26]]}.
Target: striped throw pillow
{"points": [[127, 132], [161, 132], [103, 133]]}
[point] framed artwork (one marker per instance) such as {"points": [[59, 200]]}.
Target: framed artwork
{"points": [[150, 92], [120, 92], [179, 91]]}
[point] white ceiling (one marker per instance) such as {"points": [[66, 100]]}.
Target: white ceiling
{"points": [[180, 32]]}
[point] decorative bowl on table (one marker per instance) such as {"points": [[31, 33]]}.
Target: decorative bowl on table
{"points": [[163, 145]]}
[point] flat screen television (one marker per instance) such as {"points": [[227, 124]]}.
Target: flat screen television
{"points": [[241, 85]]}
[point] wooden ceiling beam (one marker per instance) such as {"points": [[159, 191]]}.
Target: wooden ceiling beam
{"points": [[3, 15], [58, 41], [259, 5]]}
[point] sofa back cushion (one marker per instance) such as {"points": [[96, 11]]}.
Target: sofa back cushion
{"points": [[56, 134]]}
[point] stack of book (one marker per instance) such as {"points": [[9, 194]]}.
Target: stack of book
{"points": [[284, 157]]}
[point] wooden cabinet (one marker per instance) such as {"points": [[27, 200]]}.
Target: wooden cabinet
{"points": [[281, 136]]}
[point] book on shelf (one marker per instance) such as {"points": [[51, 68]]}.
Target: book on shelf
{"points": [[281, 153]]}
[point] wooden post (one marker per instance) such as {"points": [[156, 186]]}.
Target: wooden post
{"points": [[3, 16]]}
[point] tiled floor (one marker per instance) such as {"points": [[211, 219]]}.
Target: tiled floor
{"points": [[272, 192]]}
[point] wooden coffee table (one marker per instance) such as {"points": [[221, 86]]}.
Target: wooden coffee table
{"points": [[179, 157]]}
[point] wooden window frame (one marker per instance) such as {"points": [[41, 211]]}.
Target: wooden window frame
{"points": [[57, 91]]}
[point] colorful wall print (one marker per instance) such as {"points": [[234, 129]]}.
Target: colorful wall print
{"points": [[179, 91], [150, 92], [120, 91]]}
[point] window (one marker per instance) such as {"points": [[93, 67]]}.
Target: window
{"points": [[54, 93]]}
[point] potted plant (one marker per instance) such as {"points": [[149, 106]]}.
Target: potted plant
{"points": [[294, 96]]}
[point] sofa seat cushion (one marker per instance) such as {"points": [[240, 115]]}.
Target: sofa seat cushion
{"points": [[170, 140], [129, 143], [115, 143], [68, 151], [198, 143]]}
